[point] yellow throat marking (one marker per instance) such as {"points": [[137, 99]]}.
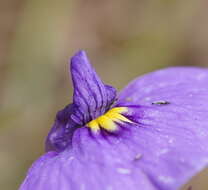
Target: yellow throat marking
{"points": [[107, 121]]}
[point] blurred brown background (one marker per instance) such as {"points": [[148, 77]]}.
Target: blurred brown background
{"points": [[123, 38]]}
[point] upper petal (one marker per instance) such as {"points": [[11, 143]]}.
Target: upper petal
{"points": [[91, 97]]}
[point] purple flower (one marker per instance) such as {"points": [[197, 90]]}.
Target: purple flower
{"points": [[152, 136]]}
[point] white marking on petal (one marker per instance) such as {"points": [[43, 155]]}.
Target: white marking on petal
{"points": [[200, 76], [147, 99], [82, 187], [138, 157], [170, 140], [166, 179], [71, 158], [123, 171], [163, 151], [109, 188]]}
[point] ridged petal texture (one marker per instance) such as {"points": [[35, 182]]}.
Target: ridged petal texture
{"points": [[91, 99], [161, 149]]}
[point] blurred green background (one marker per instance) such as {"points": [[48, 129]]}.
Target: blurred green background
{"points": [[124, 39]]}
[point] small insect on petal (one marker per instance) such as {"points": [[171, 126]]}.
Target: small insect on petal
{"points": [[137, 157], [161, 102]]}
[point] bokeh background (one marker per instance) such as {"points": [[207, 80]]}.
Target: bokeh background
{"points": [[123, 38]]}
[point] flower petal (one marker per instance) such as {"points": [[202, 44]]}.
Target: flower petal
{"points": [[172, 137], [165, 146], [91, 99], [90, 165]]}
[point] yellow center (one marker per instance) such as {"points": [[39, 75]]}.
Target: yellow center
{"points": [[107, 121]]}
